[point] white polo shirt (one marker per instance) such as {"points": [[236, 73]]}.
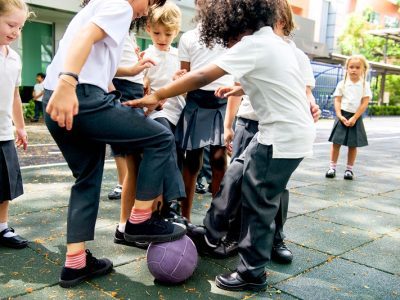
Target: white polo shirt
{"points": [[114, 17], [246, 110], [130, 58], [269, 73], [38, 88], [160, 75], [352, 93], [198, 55], [10, 78]]}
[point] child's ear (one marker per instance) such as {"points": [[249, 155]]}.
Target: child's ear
{"points": [[148, 28]]}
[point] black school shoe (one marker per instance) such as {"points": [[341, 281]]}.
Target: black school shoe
{"points": [[331, 173], [15, 242], [238, 282], [115, 194], [223, 248], [119, 238], [348, 175], [200, 188], [281, 253], [156, 229], [94, 268]]}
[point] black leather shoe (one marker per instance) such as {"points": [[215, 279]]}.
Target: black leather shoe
{"points": [[281, 254], [237, 282], [200, 188], [94, 267], [348, 175], [15, 242], [119, 238]]}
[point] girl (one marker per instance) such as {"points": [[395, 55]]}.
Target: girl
{"points": [[202, 120], [268, 71], [13, 14], [351, 100], [82, 117]]}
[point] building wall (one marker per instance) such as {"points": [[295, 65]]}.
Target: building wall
{"points": [[382, 7]]}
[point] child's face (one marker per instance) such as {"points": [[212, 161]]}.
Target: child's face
{"points": [[11, 25], [355, 69], [39, 79], [161, 36], [140, 7]]}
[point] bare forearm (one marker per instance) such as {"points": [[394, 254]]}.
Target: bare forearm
{"points": [[338, 105], [362, 108], [231, 110], [190, 81], [18, 116]]}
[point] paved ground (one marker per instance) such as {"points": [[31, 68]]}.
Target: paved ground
{"points": [[345, 236]]}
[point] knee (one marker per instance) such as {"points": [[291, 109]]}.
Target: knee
{"points": [[219, 160]]}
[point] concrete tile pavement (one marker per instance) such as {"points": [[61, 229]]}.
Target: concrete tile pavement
{"points": [[345, 236]]}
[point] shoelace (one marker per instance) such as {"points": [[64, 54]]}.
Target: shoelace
{"points": [[228, 242]]}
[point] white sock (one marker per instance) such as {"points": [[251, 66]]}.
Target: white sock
{"points": [[209, 243], [121, 227], [4, 226], [118, 188]]}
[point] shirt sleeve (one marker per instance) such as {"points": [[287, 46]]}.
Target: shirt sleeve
{"points": [[19, 76], [183, 48], [305, 68], [367, 90], [339, 89], [238, 60], [114, 17]]}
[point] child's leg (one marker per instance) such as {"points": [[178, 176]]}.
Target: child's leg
{"points": [[351, 158], [129, 189], [4, 211], [264, 181], [218, 162], [335, 150], [191, 167], [120, 163]]}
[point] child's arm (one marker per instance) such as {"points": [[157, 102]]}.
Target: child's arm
{"points": [[361, 109], [18, 118], [314, 107], [338, 110], [140, 66], [63, 104], [232, 108], [189, 82]]}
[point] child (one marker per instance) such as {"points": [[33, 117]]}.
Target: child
{"points": [[13, 14], [83, 117], [163, 25], [38, 91], [202, 119], [269, 74], [351, 100]]}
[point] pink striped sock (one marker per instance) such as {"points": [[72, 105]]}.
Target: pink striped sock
{"points": [[350, 168], [139, 215], [76, 260], [332, 165]]}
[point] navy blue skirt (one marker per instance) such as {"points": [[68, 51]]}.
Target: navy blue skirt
{"points": [[349, 136], [202, 121], [10, 173]]}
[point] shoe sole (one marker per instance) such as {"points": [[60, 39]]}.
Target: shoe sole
{"points": [[71, 283], [243, 287], [114, 198], [348, 178], [280, 260], [155, 238], [140, 245], [14, 246]]}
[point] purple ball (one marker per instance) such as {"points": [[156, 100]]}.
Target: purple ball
{"points": [[172, 262]]}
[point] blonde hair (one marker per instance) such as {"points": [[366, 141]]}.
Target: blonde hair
{"points": [[168, 15], [364, 64], [6, 7], [285, 15]]}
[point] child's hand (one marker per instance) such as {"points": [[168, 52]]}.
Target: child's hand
{"points": [[151, 102], [315, 112], [178, 74], [63, 105], [22, 139], [351, 122], [343, 120], [143, 64], [228, 138], [226, 91]]}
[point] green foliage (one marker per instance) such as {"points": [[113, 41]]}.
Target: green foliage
{"points": [[383, 110], [29, 109]]}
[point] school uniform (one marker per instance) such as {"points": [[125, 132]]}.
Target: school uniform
{"points": [[38, 88], [352, 93], [224, 212], [102, 119], [202, 120], [272, 79], [130, 87], [10, 173]]}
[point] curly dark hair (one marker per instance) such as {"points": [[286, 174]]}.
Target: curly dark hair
{"points": [[223, 21]]}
